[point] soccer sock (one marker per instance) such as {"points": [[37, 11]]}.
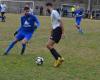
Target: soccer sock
{"points": [[0, 16], [55, 53], [23, 48], [80, 30], [10, 46], [78, 27]]}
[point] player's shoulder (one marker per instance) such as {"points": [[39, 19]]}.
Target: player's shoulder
{"points": [[33, 16], [54, 11], [22, 16]]}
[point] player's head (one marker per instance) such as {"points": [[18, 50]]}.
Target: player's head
{"points": [[26, 10], [78, 6], [27, 5], [2, 2], [49, 6]]}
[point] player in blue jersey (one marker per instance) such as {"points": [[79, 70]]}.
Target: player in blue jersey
{"points": [[78, 18], [29, 23], [0, 11], [3, 11]]}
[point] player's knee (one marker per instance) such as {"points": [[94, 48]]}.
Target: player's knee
{"points": [[24, 41], [48, 46], [15, 41]]}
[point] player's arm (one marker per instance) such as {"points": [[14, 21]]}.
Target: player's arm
{"points": [[61, 23], [0, 8], [62, 27], [37, 23], [81, 15], [74, 13], [6, 6], [16, 32]]}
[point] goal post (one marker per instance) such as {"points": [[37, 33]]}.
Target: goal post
{"points": [[16, 6]]}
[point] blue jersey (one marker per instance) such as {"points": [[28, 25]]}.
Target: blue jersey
{"points": [[28, 23], [0, 8], [78, 16], [78, 13]]}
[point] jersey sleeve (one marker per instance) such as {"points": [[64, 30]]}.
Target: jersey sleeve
{"points": [[37, 21], [57, 15], [21, 22]]}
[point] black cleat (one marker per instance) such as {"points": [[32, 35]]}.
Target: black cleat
{"points": [[22, 53], [4, 54]]}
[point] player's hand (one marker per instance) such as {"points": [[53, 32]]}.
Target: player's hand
{"points": [[15, 33], [35, 27], [63, 36]]}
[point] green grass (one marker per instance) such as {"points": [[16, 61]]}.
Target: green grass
{"points": [[81, 52]]}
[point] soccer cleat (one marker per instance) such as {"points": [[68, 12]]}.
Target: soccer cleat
{"points": [[58, 62], [5, 54], [22, 53], [80, 31]]}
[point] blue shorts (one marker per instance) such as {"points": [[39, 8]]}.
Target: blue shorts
{"points": [[78, 21], [22, 35]]}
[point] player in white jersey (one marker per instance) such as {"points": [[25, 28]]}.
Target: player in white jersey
{"points": [[3, 11], [56, 34]]}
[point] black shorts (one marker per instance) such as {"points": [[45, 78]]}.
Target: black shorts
{"points": [[2, 13], [56, 34]]}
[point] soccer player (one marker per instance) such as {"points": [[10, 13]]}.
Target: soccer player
{"points": [[29, 23], [31, 10], [0, 10], [3, 11], [78, 18], [56, 33]]}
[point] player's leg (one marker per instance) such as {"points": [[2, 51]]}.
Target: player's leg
{"points": [[3, 17], [18, 37], [56, 55], [50, 46], [11, 46], [55, 38], [78, 22], [24, 42]]}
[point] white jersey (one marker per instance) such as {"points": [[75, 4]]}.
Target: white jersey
{"points": [[3, 7], [31, 11], [55, 17]]}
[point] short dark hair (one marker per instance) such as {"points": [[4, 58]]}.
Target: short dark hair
{"points": [[26, 8], [49, 4]]}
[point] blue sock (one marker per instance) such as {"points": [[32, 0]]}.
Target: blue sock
{"points": [[80, 30], [23, 49], [0, 17], [10, 46]]}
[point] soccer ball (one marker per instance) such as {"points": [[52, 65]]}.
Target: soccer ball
{"points": [[39, 60]]}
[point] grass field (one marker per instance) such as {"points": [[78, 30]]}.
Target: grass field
{"points": [[81, 52]]}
